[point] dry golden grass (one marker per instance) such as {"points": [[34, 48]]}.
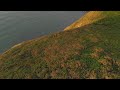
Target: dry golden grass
{"points": [[89, 18], [94, 55], [98, 49]]}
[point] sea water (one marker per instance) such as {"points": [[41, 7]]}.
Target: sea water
{"points": [[19, 26]]}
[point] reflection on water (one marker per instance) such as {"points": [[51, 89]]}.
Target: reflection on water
{"points": [[18, 26]]}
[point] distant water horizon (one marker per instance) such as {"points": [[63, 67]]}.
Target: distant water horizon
{"points": [[19, 26]]}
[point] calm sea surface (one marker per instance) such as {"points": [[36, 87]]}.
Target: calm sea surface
{"points": [[18, 26]]}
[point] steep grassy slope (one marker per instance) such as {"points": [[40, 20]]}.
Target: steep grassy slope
{"points": [[89, 48], [89, 18]]}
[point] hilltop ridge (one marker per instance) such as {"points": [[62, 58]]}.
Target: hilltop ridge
{"points": [[91, 17]]}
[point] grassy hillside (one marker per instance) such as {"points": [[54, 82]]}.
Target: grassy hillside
{"points": [[88, 49]]}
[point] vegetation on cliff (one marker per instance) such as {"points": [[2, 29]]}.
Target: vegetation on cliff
{"points": [[87, 49]]}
